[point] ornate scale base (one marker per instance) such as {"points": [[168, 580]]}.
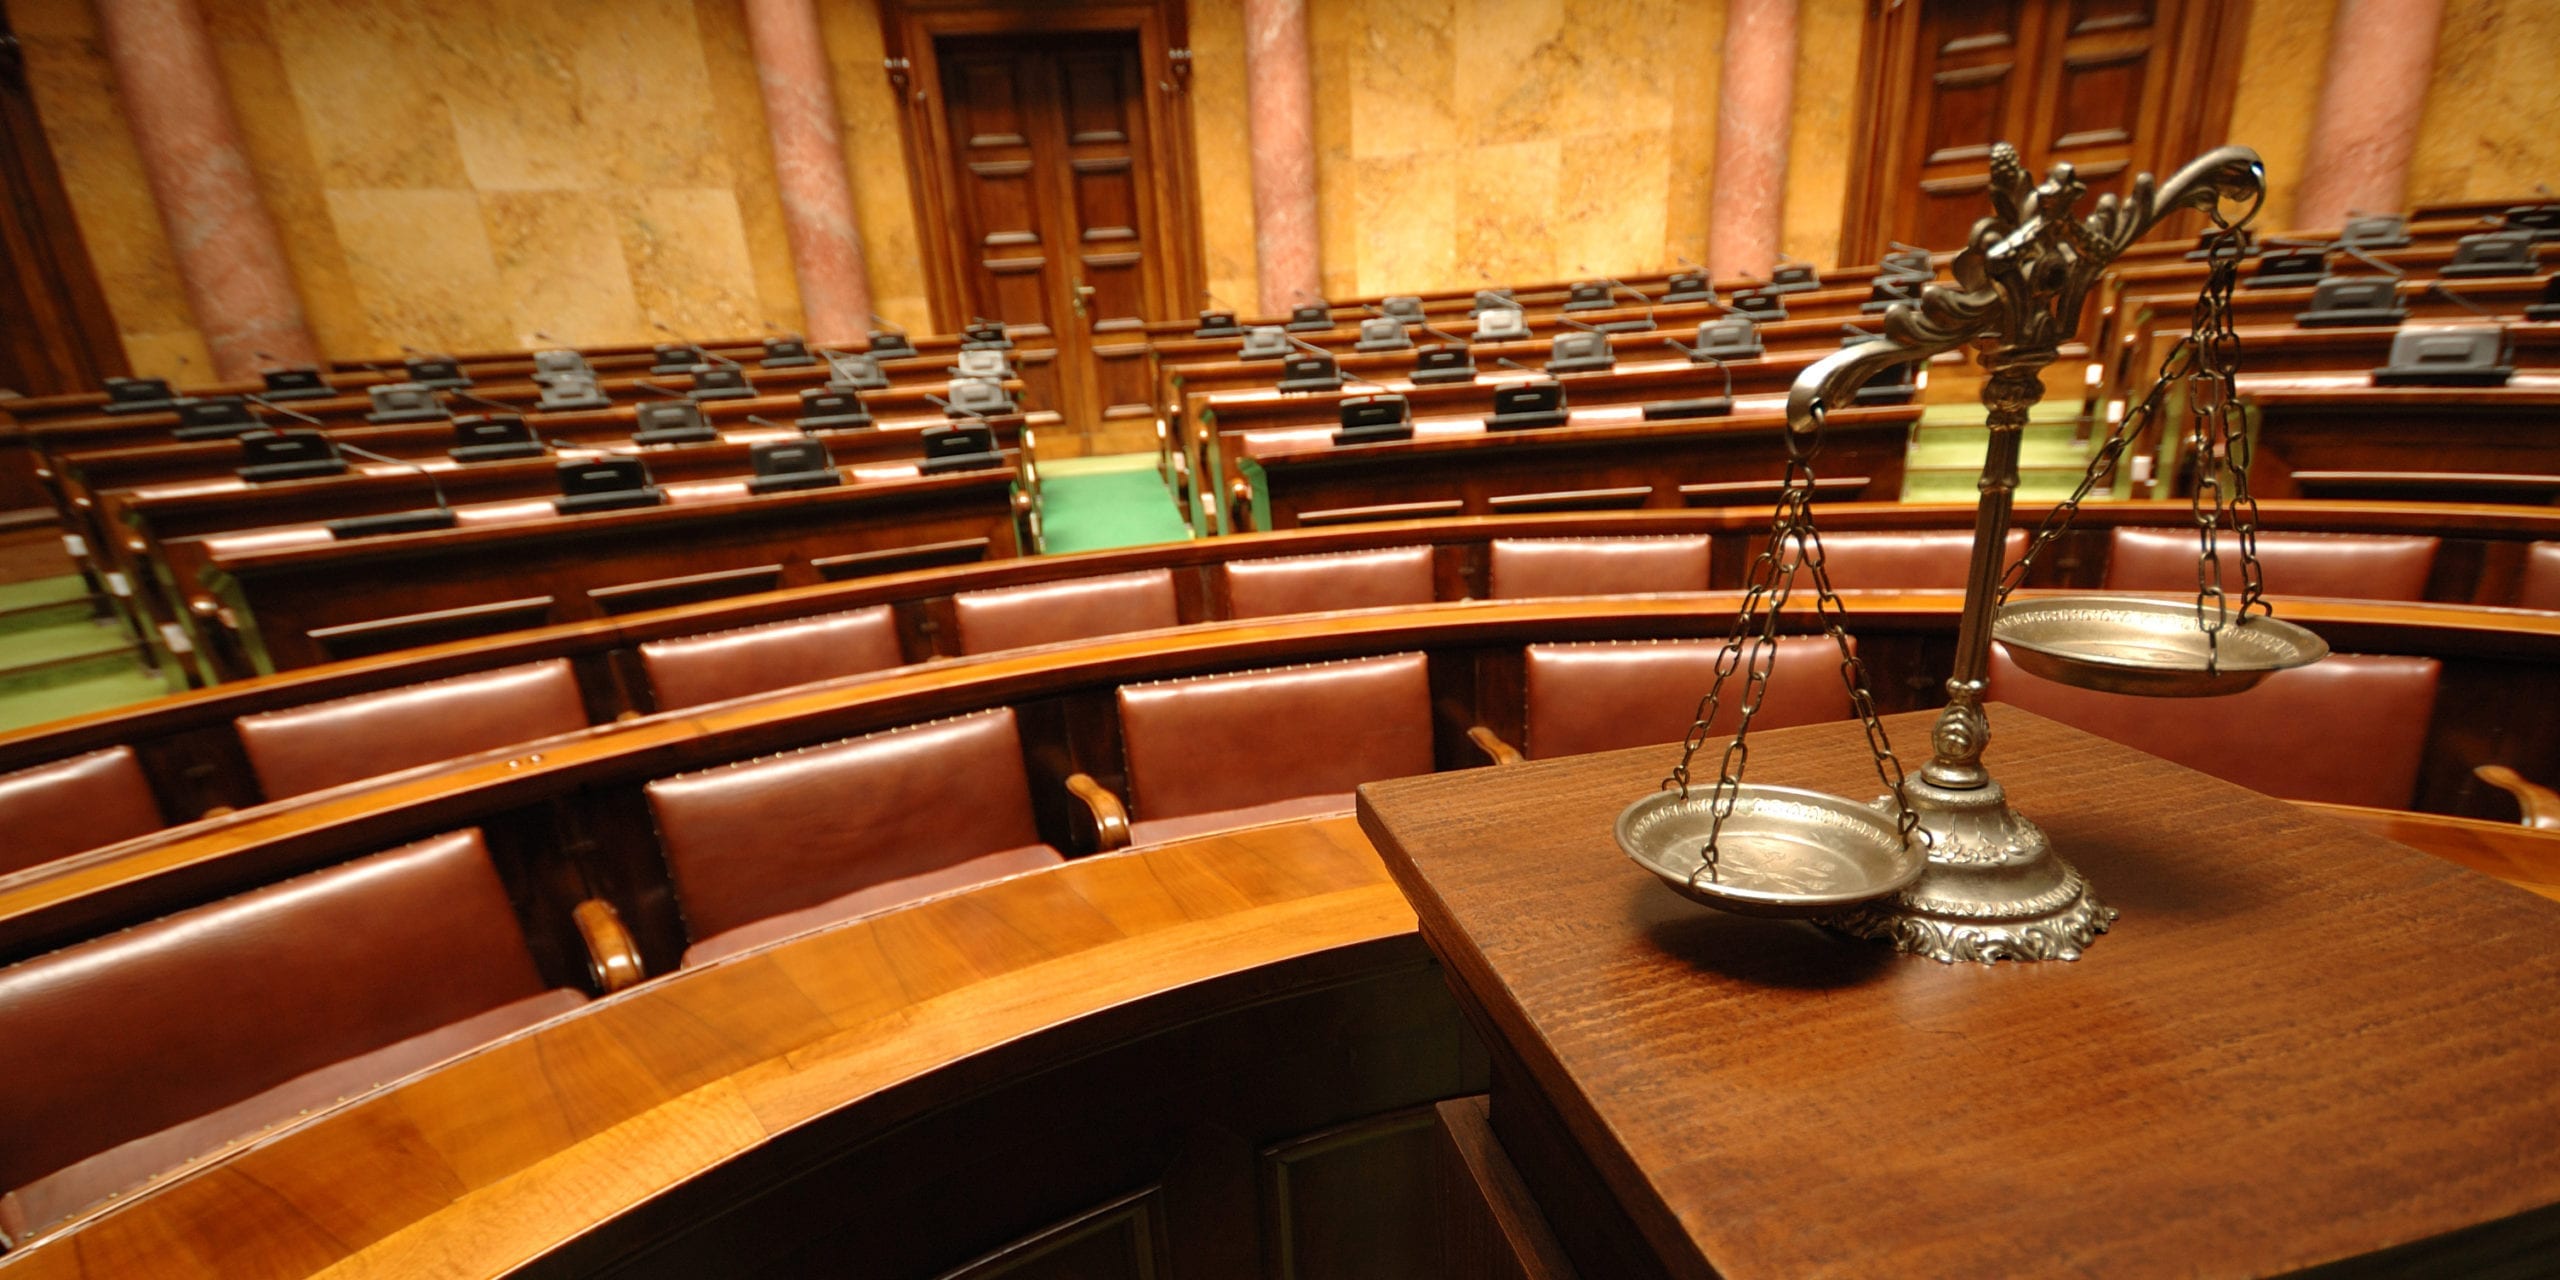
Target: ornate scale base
{"points": [[1994, 888]]}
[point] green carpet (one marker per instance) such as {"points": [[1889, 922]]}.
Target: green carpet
{"points": [[1117, 500], [57, 660]]}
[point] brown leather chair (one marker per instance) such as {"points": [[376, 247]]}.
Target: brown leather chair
{"points": [[1897, 561], [765, 849], [70, 806], [1214, 752], [2343, 566], [1074, 609], [2541, 586], [1532, 568], [1601, 697], [126, 1056], [1319, 583], [303, 749], [691, 670], [2349, 729]]}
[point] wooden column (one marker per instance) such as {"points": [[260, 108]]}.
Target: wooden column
{"points": [[1754, 113], [2381, 54], [1280, 96], [809, 169], [238, 283]]}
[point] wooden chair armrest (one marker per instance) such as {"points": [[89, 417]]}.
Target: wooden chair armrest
{"points": [[2541, 804], [1110, 817], [613, 959], [1493, 746]]}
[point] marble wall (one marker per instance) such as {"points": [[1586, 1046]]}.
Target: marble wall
{"points": [[2492, 122], [466, 174], [475, 174]]}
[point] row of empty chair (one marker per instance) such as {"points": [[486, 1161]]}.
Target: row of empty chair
{"points": [[805, 826], [101, 796]]}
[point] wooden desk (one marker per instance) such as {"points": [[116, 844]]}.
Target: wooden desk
{"points": [[1260, 988], [293, 595], [2337, 438], [1603, 459], [2299, 1045]]}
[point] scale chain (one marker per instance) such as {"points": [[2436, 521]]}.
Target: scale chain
{"points": [[1794, 544]]}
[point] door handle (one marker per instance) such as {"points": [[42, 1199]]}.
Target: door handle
{"points": [[1084, 292]]}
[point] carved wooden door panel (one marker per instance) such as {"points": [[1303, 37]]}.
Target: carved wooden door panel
{"points": [[2115, 87], [1051, 179]]}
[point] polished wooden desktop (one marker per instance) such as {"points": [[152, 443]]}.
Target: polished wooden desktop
{"points": [[2300, 1045]]}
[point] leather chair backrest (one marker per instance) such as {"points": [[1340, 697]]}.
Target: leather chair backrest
{"points": [[1601, 697], [2343, 566], [759, 838], [69, 806], [2541, 586], [1342, 580], [301, 749], [1213, 743], [1530, 568], [688, 671], [2349, 729], [124, 1036], [1075, 609], [1898, 561]]}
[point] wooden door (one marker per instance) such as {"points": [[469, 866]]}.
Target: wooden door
{"points": [[2114, 87], [1051, 178], [58, 337]]}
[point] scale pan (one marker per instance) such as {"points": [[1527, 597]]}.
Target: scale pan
{"points": [[2127, 644], [1783, 852]]}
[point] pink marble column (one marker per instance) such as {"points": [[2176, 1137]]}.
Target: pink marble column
{"points": [[1280, 98], [1754, 112], [2381, 55], [808, 165], [238, 283]]}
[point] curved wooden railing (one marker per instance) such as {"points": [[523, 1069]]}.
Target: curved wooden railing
{"points": [[196, 766]]}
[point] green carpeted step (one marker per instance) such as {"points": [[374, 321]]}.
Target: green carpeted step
{"points": [[1116, 500], [42, 591], [75, 690]]}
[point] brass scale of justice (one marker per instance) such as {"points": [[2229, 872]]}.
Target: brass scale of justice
{"points": [[1941, 866]]}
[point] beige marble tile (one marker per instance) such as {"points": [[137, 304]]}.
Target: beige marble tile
{"points": [[92, 145], [561, 269], [2492, 125], [1337, 37], [1695, 41], [176, 354], [1223, 139], [1402, 77], [876, 162], [289, 180], [737, 112], [686, 251], [1821, 130], [1610, 195], [1405, 208], [1504, 225], [372, 97], [2284, 56], [420, 260]]}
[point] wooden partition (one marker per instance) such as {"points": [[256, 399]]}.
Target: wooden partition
{"points": [[1084, 1023]]}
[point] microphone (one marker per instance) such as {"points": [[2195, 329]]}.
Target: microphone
{"points": [[509, 410], [763, 421], [948, 407], [2372, 261], [295, 414], [434, 485]]}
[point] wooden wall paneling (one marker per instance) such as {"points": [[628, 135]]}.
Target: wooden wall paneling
{"points": [[1353, 1202], [1097, 157], [60, 339], [1123, 1237]]}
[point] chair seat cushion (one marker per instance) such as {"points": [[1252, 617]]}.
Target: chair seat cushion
{"points": [[69, 806], [875, 898], [54, 1197], [1167, 830]]}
